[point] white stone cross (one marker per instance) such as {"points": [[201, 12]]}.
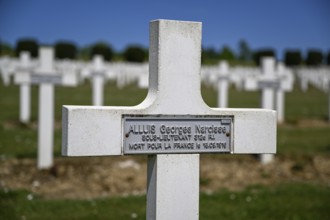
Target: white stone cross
{"points": [[267, 83], [273, 82], [7, 67], [98, 75], [143, 77], [46, 77], [21, 77], [223, 81], [173, 124], [286, 79]]}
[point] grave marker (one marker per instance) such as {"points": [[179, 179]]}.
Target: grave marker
{"points": [[98, 80], [268, 85], [271, 82], [46, 77], [21, 77], [174, 106], [6, 69], [223, 81], [285, 78]]}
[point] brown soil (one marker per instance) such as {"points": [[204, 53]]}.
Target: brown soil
{"points": [[112, 176]]}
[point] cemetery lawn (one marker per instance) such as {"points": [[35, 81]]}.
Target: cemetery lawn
{"points": [[295, 186], [305, 133], [287, 201]]}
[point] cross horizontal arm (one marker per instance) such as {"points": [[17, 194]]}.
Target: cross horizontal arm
{"points": [[89, 130], [101, 132]]}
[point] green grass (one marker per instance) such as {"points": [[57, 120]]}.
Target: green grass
{"points": [[303, 141], [287, 201], [312, 104], [16, 205]]}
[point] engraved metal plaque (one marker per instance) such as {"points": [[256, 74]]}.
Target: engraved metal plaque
{"points": [[224, 78], [46, 78], [177, 134], [269, 84], [98, 73]]}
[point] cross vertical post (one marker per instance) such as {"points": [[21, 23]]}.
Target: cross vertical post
{"points": [[223, 81], [175, 54], [46, 110], [98, 80], [25, 90], [267, 96], [280, 97], [267, 93]]}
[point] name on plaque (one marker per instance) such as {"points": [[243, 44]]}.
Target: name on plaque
{"points": [[46, 78], [177, 134], [269, 84], [98, 73]]}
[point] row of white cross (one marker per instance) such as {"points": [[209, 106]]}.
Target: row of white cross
{"points": [[270, 79], [280, 79], [273, 82], [124, 73], [318, 77]]}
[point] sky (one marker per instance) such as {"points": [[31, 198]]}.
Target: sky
{"points": [[278, 24]]}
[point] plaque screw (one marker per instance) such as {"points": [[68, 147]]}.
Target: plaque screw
{"points": [[227, 134], [126, 135]]}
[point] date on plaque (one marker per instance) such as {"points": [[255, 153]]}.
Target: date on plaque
{"points": [[177, 134]]}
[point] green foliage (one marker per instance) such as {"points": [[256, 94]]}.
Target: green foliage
{"points": [[6, 49], [135, 53], [65, 50], [328, 58], [209, 56], [314, 58], [292, 57], [227, 54], [259, 54], [244, 53], [29, 45], [103, 49], [84, 53]]}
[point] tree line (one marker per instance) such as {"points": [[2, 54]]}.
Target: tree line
{"points": [[69, 50], [137, 53]]}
